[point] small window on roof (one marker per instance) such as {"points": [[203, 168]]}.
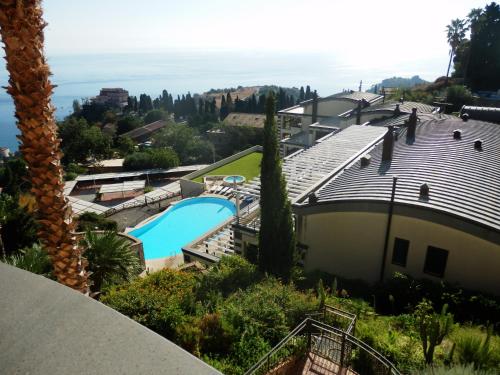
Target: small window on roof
{"points": [[400, 251], [435, 261]]}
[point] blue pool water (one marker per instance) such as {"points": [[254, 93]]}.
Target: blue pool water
{"points": [[181, 224], [233, 179]]}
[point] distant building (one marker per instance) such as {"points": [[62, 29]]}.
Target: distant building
{"points": [[4, 152], [112, 96], [144, 133], [301, 125]]}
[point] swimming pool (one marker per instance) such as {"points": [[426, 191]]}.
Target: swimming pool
{"points": [[234, 179], [181, 224]]}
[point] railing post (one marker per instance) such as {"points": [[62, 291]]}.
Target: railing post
{"points": [[308, 328], [342, 351]]}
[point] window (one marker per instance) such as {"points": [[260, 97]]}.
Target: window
{"points": [[400, 252], [435, 261]]}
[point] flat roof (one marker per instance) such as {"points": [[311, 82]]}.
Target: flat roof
{"points": [[463, 181], [48, 328], [122, 186], [113, 175]]}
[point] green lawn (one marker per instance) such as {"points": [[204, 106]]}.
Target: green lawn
{"points": [[247, 166]]}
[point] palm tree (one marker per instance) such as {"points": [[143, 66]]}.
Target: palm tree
{"points": [[33, 259], [110, 259], [21, 29], [455, 34]]}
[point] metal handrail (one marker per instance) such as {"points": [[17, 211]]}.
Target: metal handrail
{"points": [[311, 324]]}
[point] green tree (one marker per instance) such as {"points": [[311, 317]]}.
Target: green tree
{"points": [[128, 123], [155, 115], [483, 69], [151, 158], [184, 140], [82, 141], [110, 259], [455, 35], [276, 236], [126, 145], [432, 327]]}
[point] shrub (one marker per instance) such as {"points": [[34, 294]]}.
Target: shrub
{"points": [[160, 301], [92, 221], [458, 95], [472, 349], [33, 259], [229, 275]]}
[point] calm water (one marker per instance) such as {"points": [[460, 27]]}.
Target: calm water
{"points": [[179, 72], [183, 223]]}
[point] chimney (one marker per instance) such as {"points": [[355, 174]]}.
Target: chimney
{"points": [[388, 144], [313, 198], [457, 134], [412, 124], [478, 144], [424, 191], [465, 116], [358, 113], [315, 108]]}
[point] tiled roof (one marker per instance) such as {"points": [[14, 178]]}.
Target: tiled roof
{"points": [[401, 119], [245, 119], [463, 181], [404, 107]]}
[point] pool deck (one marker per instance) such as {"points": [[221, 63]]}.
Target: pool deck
{"points": [[153, 265], [175, 261]]}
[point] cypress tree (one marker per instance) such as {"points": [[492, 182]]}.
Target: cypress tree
{"points": [[276, 235], [302, 94], [229, 103], [308, 93]]}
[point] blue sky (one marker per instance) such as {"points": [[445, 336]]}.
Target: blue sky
{"points": [[395, 30]]}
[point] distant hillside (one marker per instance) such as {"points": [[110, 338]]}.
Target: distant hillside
{"points": [[398, 82]]}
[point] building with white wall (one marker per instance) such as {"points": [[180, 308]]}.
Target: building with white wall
{"points": [[441, 221]]}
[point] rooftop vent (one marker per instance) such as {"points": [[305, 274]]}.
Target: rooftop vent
{"points": [[465, 116], [424, 191], [478, 144], [457, 134], [313, 198], [365, 160]]}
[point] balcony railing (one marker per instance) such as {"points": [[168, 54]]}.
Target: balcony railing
{"points": [[332, 344]]}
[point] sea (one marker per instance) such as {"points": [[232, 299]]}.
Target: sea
{"points": [[179, 72]]}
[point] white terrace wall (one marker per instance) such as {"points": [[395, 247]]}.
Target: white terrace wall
{"points": [[191, 188]]}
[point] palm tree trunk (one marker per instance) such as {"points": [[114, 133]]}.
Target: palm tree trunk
{"points": [[21, 28], [449, 66]]}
